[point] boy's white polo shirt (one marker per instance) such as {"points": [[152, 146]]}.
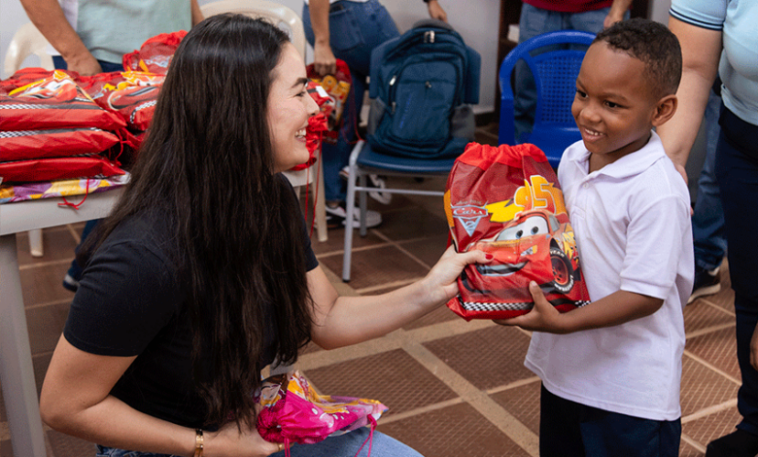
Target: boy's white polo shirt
{"points": [[631, 220]]}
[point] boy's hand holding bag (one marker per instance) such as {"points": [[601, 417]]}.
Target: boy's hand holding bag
{"points": [[506, 201]]}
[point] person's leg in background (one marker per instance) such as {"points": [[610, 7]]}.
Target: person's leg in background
{"points": [[355, 29], [737, 174], [74, 273], [708, 217], [532, 22]]}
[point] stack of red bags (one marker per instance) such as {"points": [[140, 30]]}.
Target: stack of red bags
{"points": [[57, 125], [50, 129]]}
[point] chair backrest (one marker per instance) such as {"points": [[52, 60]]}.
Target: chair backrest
{"points": [[27, 41], [555, 65], [278, 14]]}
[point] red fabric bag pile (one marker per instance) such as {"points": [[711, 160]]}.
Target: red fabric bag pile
{"points": [[506, 201], [337, 86], [50, 129]]}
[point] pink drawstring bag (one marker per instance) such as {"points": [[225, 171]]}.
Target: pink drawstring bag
{"points": [[293, 412]]}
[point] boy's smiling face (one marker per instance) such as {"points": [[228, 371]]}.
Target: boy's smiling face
{"points": [[614, 106]]}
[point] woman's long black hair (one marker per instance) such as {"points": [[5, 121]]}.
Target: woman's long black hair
{"points": [[207, 169]]}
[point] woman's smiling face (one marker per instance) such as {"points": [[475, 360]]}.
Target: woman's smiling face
{"points": [[289, 107]]}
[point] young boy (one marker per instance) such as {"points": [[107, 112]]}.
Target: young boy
{"points": [[611, 370]]}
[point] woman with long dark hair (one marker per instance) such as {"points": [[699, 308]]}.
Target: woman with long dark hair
{"points": [[204, 274]]}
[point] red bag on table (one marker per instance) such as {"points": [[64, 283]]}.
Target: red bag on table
{"points": [[154, 56], [506, 201], [52, 103], [41, 170], [38, 144]]}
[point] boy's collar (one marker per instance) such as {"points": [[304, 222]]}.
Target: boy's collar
{"points": [[631, 164]]}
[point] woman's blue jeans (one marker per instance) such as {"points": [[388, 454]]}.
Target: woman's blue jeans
{"points": [[708, 217], [339, 446], [355, 29]]}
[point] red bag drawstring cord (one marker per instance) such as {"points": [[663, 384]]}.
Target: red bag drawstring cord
{"points": [[77, 205], [287, 448], [370, 438]]}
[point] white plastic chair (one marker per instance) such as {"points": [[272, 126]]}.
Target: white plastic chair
{"points": [[280, 14], [27, 41]]}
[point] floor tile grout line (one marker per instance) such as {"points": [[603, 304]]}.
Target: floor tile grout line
{"points": [[73, 232], [498, 416], [355, 249], [720, 308], [50, 303], [708, 365], [687, 439], [707, 330], [422, 410], [713, 409], [513, 385], [403, 250], [389, 342], [50, 263]]}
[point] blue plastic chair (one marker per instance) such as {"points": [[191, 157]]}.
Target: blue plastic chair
{"points": [[555, 73], [365, 161]]}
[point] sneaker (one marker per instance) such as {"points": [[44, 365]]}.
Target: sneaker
{"points": [[335, 217], [707, 282], [70, 283], [377, 181], [736, 444]]}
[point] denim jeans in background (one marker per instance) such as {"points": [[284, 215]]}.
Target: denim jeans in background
{"points": [[339, 446], [708, 217], [737, 174], [355, 29], [536, 21]]}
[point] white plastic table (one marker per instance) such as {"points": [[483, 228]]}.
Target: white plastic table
{"points": [[16, 373]]}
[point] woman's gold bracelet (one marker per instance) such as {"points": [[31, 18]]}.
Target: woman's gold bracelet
{"points": [[198, 443]]}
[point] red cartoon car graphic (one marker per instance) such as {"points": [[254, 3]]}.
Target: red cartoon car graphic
{"points": [[537, 246]]}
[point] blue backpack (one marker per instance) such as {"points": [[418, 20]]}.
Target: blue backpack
{"points": [[422, 83]]}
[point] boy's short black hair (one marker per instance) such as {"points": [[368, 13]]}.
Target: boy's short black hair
{"points": [[654, 45]]}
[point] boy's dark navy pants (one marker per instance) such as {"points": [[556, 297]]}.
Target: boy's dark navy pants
{"points": [[570, 429], [737, 174]]}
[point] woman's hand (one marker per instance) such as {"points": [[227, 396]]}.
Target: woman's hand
{"points": [[440, 284], [543, 316], [436, 11], [230, 441]]}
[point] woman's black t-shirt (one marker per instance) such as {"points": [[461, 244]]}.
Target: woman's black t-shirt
{"points": [[129, 303]]}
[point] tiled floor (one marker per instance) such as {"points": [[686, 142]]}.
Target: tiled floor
{"points": [[453, 388]]}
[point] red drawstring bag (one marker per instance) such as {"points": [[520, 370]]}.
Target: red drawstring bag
{"points": [[52, 103], [338, 88], [38, 144], [506, 201], [293, 412], [58, 168], [154, 56]]}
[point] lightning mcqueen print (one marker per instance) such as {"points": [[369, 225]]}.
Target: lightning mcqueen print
{"points": [[506, 201]]}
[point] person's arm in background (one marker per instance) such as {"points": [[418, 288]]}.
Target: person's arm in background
{"points": [[436, 11], [701, 50], [616, 14], [197, 14], [324, 61], [48, 17]]}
